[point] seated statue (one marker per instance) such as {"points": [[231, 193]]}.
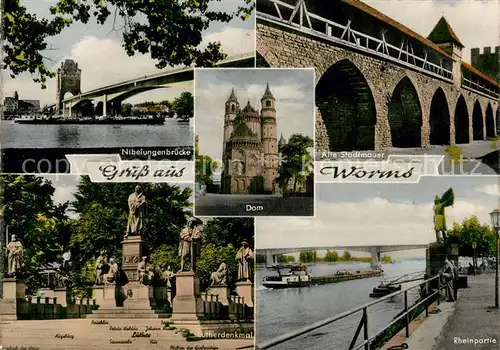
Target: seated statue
{"points": [[143, 270], [110, 277], [219, 277]]}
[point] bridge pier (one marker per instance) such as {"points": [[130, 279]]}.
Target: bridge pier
{"points": [[270, 258], [375, 264], [105, 106]]}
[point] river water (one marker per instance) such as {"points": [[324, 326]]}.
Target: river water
{"points": [[284, 310], [170, 134]]}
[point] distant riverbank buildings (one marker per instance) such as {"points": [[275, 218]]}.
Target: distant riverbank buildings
{"points": [[13, 105]]}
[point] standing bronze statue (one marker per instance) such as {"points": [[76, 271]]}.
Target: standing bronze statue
{"points": [[244, 258], [136, 204], [440, 204], [15, 254], [190, 245]]}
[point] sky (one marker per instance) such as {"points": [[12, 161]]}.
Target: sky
{"points": [[378, 214], [476, 22], [293, 90], [98, 52]]}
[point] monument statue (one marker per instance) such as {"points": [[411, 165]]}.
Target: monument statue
{"points": [[189, 246], [219, 277], [14, 257], [142, 270], [136, 204], [243, 257], [167, 277], [110, 277], [101, 268], [440, 204]]}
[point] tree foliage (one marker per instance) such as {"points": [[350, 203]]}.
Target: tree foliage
{"points": [[205, 165], [296, 161], [29, 212], [308, 257], [471, 231], [286, 258], [169, 31], [183, 105], [256, 186], [346, 256], [331, 256], [223, 231]]}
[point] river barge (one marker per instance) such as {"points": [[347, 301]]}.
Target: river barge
{"points": [[299, 277], [384, 289], [60, 120]]}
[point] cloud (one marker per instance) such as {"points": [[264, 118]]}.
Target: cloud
{"points": [[294, 109], [104, 62], [371, 221], [474, 22], [234, 40], [492, 190]]}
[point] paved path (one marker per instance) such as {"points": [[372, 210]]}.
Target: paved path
{"points": [[474, 318], [82, 334]]}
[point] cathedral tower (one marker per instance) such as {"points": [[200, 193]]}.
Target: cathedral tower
{"points": [[269, 140], [232, 108]]}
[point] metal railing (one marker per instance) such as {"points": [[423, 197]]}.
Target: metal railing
{"points": [[344, 34], [426, 300]]}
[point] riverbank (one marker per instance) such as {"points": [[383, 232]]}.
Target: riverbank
{"points": [[458, 325]]}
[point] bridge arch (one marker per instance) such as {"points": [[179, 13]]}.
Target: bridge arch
{"points": [[477, 122], [347, 107], [405, 115], [490, 121], [461, 121], [439, 119]]}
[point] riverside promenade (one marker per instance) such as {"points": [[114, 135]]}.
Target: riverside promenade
{"points": [[470, 323]]}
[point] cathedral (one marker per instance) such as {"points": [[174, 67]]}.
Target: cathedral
{"points": [[250, 147]]}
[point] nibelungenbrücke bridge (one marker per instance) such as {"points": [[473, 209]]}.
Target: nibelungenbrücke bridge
{"points": [[379, 84], [272, 254], [111, 96]]}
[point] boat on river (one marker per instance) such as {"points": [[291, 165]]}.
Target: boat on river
{"points": [[61, 120], [384, 289], [299, 277]]}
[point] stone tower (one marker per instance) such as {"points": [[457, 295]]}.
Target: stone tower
{"points": [[250, 147], [269, 140], [444, 36], [232, 109], [68, 80]]}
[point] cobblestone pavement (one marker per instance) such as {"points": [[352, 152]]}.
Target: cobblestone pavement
{"points": [[474, 319]]}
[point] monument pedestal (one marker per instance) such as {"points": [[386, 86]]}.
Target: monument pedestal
{"points": [[187, 304], [63, 296], [244, 289], [105, 296], [14, 292], [133, 249], [222, 292]]}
